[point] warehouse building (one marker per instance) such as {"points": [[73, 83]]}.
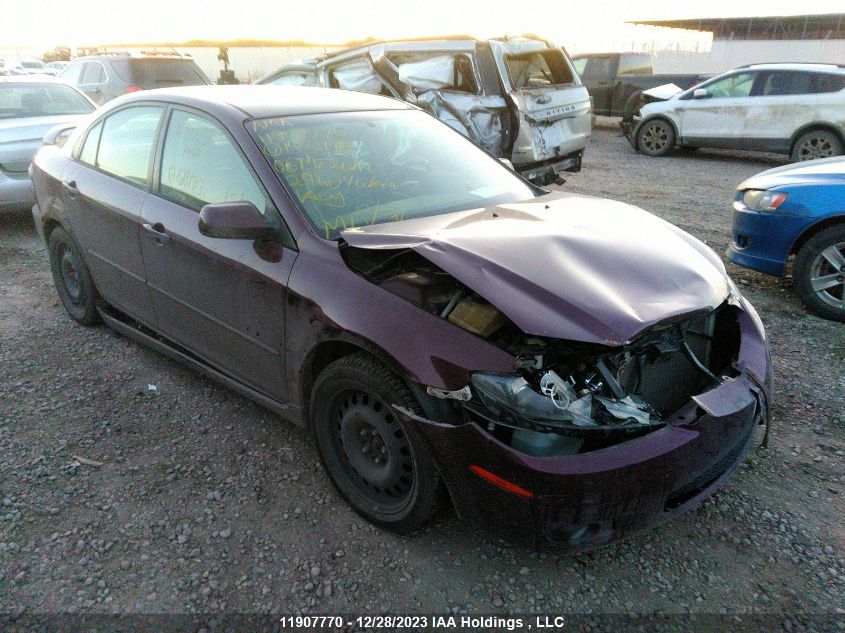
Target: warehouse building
{"points": [[738, 41]]}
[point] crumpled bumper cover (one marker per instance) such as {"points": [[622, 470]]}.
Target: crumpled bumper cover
{"points": [[582, 501]]}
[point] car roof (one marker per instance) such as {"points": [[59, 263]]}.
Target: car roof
{"points": [[269, 100], [803, 66]]}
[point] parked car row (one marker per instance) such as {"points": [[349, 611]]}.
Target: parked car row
{"points": [[521, 332]]}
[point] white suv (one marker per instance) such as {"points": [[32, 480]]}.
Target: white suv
{"points": [[794, 109]]}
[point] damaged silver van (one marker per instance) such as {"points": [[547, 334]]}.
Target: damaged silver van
{"points": [[518, 97]]}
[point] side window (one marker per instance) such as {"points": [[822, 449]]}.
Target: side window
{"points": [[737, 85], [93, 73], [597, 67], [199, 166], [823, 82], [634, 64], [579, 65], [786, 83], [126, 142], [72, 73], [89, 149], [296, 78]]}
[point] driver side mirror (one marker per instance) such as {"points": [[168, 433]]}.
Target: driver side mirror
{"points": [[234, 220], [700, 93]]}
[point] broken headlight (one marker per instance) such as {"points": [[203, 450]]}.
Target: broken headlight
{"points": [[504, 394]]}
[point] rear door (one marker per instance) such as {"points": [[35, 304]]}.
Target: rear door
{"points": [[785, 100], [718, 120], [224, 299], [104, 190]]}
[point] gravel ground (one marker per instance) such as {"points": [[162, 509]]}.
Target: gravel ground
{"points": [[190, 499]]}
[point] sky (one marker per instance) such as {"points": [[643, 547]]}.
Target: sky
{"points": [[590, 24]]}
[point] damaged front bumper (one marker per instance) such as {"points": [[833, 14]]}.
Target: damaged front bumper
{"points": [[581, 501]]}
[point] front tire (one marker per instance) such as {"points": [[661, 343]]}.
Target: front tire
{"points": [[816, 144], [72, 278], [819, 273], [656, 137], [386, 476]]}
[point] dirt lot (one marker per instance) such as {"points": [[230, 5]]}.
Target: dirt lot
{"points": [[204, 502]]}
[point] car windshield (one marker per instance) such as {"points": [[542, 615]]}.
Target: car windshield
{"points": [[19, 100], [32, 64], [361, 168]]}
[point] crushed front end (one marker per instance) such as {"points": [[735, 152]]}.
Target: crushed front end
{"points": [[584, 444]]}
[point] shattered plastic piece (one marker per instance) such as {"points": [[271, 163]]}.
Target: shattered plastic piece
{"points": [[461, 394], [624, 409], [556, 388]]}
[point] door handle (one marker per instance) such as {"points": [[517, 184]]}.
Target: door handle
{"points": [[159, 234], [70, 185]]}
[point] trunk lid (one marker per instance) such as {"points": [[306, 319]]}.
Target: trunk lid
{"points": [[21, 138]]}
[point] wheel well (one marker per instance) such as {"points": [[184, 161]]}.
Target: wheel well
{"points": [[813, 230], [322, 356], [816, 126]]}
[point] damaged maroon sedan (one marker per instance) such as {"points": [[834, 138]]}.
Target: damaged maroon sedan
{"points": [[564, 368]]}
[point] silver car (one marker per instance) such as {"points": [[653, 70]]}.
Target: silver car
{"points": [[517, 97], [30, 106]]}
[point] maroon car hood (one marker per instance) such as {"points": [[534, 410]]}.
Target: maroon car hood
{"points": [[566, 266]]}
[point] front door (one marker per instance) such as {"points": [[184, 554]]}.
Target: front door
{"points": [[223, 299], [104, 190], [719, 117]]}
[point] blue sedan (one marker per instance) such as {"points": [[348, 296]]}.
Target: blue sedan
{"points": [[796, 210]]}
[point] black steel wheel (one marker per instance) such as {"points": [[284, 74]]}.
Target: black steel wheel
{"points": [[656, 137], [72, 279], [386, 476]]}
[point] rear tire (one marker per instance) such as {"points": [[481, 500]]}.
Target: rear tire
{"points": [[818, 276], [72, 278], [385, 475], [816, 144], [656, 137]]}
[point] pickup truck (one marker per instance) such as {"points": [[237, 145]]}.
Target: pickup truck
{"points": [[615, 80]]}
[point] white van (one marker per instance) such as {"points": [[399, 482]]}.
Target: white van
{"points": [[518, 97]]}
